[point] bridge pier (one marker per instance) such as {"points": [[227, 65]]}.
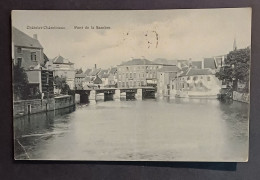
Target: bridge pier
{"points": [[92, 97], [116, 96], [139, 94]]}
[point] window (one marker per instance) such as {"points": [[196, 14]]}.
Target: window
{"points": [[33, 56], [19, 50], [172, 86], [126, 75], [19, 62], [130, 75], [208, 78]]}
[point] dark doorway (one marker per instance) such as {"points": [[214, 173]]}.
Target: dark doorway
{"points": [[84, 98], [130, 95], [108, 97]]}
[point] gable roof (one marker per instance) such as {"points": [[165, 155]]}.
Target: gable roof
{"points": [[138, 62], [103, 73], [87, 72], [97, 80], [94, 72], [19, 38], [209, 63], [113, 70], [61, 60]]}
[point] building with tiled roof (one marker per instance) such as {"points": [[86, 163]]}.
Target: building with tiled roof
{"points": [[194, 81], [27, 52], [63, 67], [137, 72]]}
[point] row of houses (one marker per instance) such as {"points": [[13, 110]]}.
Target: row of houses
{"points": [[169, 77], [96, 78]]}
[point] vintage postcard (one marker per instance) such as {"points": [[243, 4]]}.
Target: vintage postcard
{"points": [[131, 85]]}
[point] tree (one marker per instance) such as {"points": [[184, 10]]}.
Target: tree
{"points": [[61, 84], [237, 68], [20, 83]]}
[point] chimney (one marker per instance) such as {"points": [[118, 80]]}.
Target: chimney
{"points": [[35, 36], [95, 66]]}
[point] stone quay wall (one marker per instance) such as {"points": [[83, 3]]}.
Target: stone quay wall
{"points": [[25, 107]]}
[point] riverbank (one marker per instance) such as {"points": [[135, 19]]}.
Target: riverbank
{"points": [[26, 107]]}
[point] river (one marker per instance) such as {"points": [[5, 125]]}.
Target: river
{"points": [[156, 130]]}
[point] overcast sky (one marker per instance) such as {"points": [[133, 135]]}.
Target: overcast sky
{"points": [[181, 34]]}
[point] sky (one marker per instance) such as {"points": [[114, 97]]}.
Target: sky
{"points": [[150, 34]]}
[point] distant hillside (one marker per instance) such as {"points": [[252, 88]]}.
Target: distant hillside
{"points": [[165, 61]]}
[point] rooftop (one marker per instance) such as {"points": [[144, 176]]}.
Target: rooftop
{"points": [[169, 69], [197, 64], [103, 73], [138, 62], [19, 38], [87, 72], [209, 63], [195, 71], [94, 72], [165, 61], [61, 60], [113, 70]]}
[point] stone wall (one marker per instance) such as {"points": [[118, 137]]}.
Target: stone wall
{"points": [[26, 107], [242, 97], [64, 101]]}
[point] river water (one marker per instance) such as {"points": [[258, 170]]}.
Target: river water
{"points": [[156, 130]]}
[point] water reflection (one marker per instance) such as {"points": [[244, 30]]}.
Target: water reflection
{"points": [[30, 129], [166, 129]]}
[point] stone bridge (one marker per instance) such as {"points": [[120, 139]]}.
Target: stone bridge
{"points": [[138, 93]]}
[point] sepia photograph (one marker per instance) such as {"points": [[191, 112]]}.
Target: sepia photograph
{"points": [[131, 85]]}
